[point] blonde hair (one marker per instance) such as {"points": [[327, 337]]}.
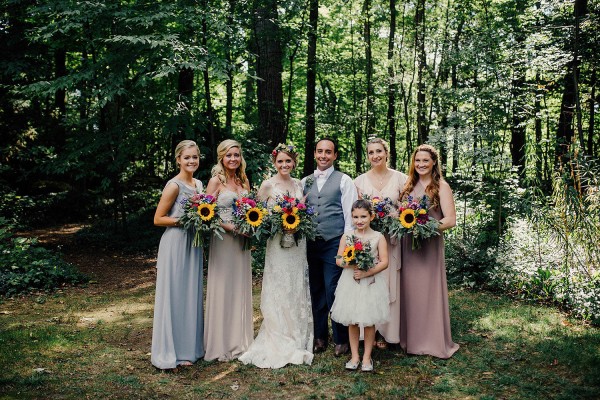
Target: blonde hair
{"points": [[184, 144], [219, 169], [385, 146], [433, 189]]}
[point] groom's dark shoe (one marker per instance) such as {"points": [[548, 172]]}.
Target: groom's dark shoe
{"points": [[320, 346], [340, 349]]}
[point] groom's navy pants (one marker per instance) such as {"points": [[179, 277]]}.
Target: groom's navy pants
{"points": [[323, 275]]}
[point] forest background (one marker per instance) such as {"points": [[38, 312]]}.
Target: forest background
{"points": [[95, 94]]}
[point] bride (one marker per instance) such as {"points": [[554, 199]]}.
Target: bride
{"points": [[286, 333]]}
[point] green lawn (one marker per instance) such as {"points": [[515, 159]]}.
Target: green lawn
{"points": [[95, 344]]}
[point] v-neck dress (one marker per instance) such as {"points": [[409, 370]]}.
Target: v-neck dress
{"points": [[391, 329], [424, 311], [228, 318]]}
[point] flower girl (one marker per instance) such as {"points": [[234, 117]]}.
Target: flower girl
{"points": [[361, 297]]}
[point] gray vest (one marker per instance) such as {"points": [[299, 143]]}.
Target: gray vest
{"points": [[328, 205]]}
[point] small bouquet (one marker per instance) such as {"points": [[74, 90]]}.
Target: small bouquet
{"points": [[358, 253], [413, 217], [292, 218], [383, 208], [201, 213], [249, 216]]}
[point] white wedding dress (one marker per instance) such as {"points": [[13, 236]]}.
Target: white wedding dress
{"points": [[286, 334]]}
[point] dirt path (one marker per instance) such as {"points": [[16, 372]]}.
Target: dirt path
{"points": [[108, 269]]}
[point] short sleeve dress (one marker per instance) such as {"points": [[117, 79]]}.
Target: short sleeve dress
{"points": [[363, 303], [391, 329]]}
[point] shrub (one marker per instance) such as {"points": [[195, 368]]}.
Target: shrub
{"points": [[25, 266]]}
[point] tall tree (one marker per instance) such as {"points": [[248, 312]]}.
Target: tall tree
{"points": [[311, 84], [269, 70], [420, 29], [392, 85]]}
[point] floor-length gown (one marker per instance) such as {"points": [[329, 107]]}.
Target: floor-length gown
{"points": [[391, 329], [177, 327], [424, 311], [286, 333], [228, 319]]}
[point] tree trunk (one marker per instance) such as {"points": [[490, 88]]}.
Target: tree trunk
{"points": [[518, 127], [590, 139], [422, 134], [311, 85], [369, 119], [537, 108], [60, 64], [229, 83], [392, 86], [269, 70], [209, 112]]}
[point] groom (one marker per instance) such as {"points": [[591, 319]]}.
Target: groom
{"points": [[331, 193]]}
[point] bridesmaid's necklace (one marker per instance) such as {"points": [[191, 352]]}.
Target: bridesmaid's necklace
{"points": [[381, 177]]}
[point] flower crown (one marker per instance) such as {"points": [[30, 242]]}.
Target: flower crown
{"points": [[283, 147]]}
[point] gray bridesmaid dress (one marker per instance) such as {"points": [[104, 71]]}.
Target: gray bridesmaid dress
{"points": [[178, 327]]}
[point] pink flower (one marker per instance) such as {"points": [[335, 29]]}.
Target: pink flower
{"points": [[358, 246]]}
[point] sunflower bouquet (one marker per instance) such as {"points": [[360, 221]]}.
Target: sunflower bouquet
{"points": [[249, 216], [201, 213], [383, 208], [413, 217], [293, 218], [357, 252]]}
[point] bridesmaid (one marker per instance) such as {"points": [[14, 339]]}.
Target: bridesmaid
{"points": [[228, 319], [424, 312], [381, 181], [177, 327]]}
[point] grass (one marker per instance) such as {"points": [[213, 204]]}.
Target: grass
{"points": [[80, 343]]}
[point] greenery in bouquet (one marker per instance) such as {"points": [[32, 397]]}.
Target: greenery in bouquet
{"points": [[201, 213], [290, 215], [383, 208], [357, 252], [250, 216], [413, 217]]}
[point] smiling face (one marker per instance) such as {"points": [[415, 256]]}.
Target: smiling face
{"points": [[189, 159], [284, 164], [423, 163], [325, 154], [377, 154], [361, 218], [232, 159]]}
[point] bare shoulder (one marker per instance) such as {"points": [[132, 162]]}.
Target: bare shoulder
{"points": [[444, 186]]}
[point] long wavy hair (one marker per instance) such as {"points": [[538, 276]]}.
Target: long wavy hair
{"points": [[433, 189], [219, 169]]}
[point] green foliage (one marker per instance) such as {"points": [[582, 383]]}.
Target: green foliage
{"points": [[26, 266]]}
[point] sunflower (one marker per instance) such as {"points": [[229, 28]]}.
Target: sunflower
{"points": [[407, 218], [254, 216], [206, 211], [290, 221], [349, 254]]}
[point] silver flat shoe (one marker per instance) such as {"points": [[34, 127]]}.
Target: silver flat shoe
{"points": [[367, 367], [352, 366]]}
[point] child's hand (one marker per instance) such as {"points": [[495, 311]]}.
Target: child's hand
{"points": [[359, 274]]}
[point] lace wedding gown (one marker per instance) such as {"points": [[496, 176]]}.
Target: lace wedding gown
{"points": [[286, 333]]}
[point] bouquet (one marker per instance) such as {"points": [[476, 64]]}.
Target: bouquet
{"points": [[413, 217], [383, 208], [249, 216], [292, 218], [358, 253], [201, 213]]}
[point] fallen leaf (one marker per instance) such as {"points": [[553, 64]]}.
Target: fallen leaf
{"points": [[42, 371]]}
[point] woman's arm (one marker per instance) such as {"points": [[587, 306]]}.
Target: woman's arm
{"points": [[447, 206], [168, 197]]}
